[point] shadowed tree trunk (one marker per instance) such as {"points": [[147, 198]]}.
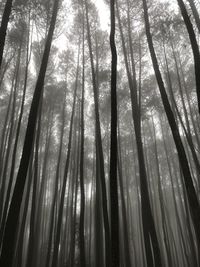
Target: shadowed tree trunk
{"points": [[114, 209]]}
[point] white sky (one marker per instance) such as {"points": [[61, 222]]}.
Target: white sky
{"points": [[104, 13], [104, 16]]}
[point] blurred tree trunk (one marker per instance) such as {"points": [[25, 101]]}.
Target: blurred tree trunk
{"points": [[5, 67], [52, 225], [150, 236], [41, 191], [5, 133], [74, 177], [127, 256], [64, 183], [19, 253], [166, 242], [82, 189], [99, 144]]}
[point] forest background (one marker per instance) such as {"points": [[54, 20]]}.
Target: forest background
{"points": [[99, 148]]}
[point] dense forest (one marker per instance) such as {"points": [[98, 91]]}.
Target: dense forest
{"points": [[99, 133]]}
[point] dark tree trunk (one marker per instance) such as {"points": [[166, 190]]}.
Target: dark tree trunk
{"points": [[3, 28], [114, 206], [32, 230], [195, 13], [191, 193], [12, 168], [14, 210], [11, 134], [194, 45]]}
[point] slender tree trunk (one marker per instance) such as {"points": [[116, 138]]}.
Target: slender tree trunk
{"points": [[99, 254], [75, 172], [195, 13], [18, 257], [3, 28], [5, 68], [14, 210], [149, 231], [10, 183], [99, 144], [127, 257], [11, 132], [191, 193], [161, 200], [63, 188], [189, 102], [82, 189], [187, 129], [32, 230], [114, 209], [194, 45], [55, 191]]}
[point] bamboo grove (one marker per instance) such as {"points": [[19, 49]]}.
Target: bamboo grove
{"points": [[99, 133]]}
